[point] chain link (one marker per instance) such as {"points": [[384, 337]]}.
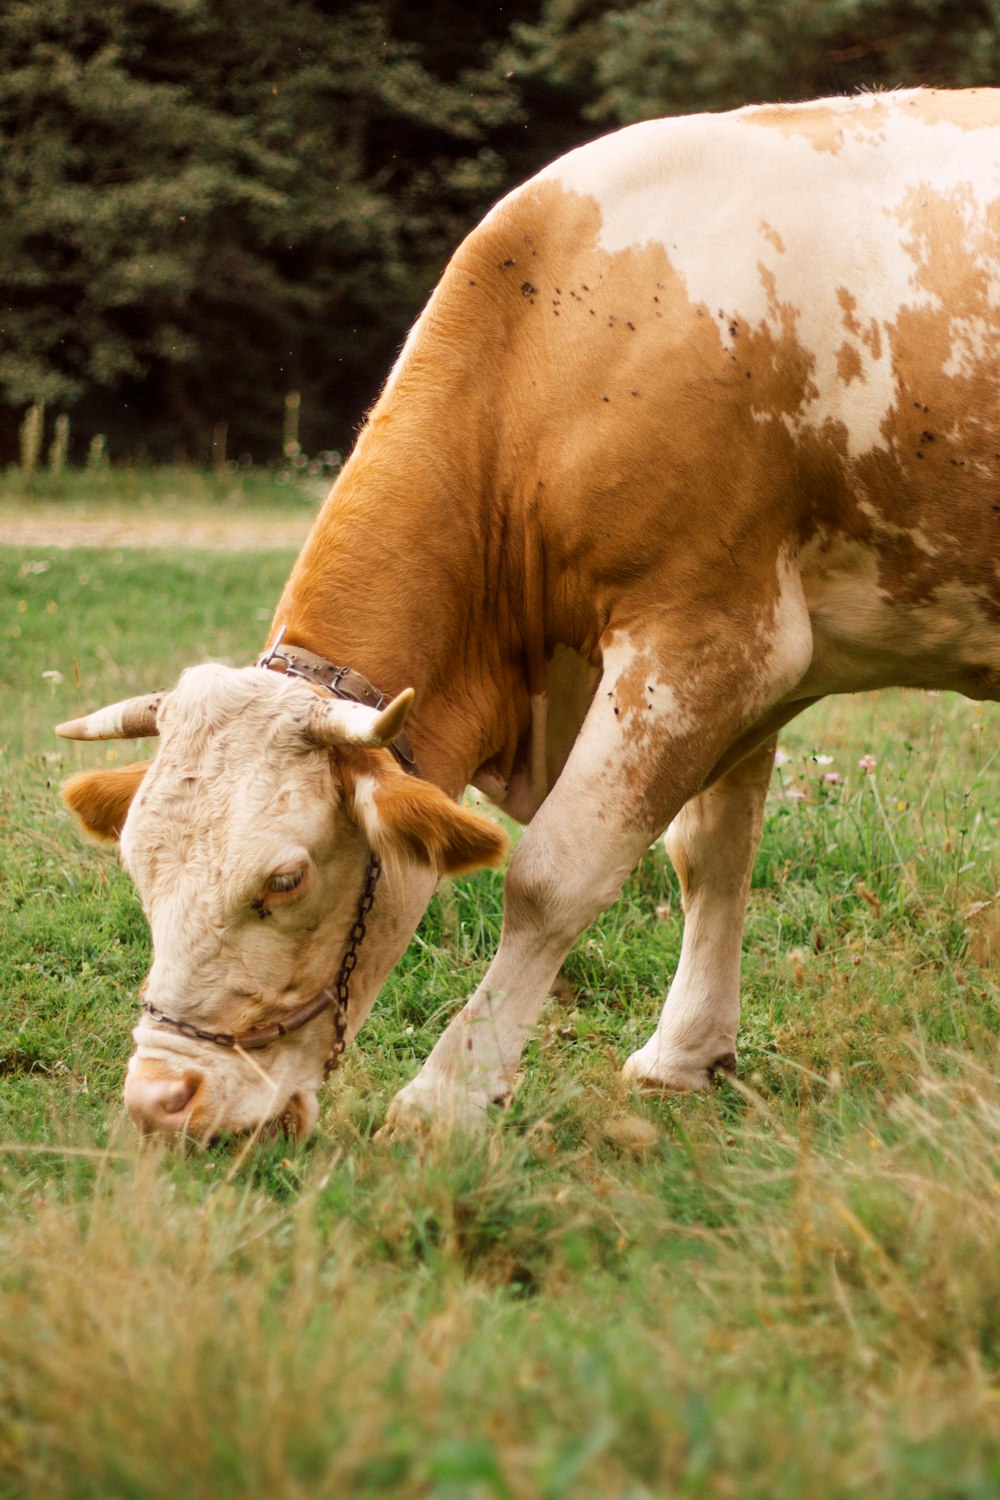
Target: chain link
{"points": [[337, 995], [220, 1038], [342, 983]]}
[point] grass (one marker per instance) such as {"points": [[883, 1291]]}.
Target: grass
{"points": [[790, 1287], [173, 491]]}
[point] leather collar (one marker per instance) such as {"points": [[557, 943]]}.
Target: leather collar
{"points": [[340, 682]]}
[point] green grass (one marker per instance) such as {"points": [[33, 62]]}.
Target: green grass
{"points": [[174, 490], [790, 1287]]}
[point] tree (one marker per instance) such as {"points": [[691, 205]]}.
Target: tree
{"points": [[204, 204], [633, 61]]}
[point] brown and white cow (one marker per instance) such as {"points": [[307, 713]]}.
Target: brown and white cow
{"points": [[700, 425]]}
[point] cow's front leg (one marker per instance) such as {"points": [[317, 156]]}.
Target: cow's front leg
{"points": [[712, 842], [648, 744], [563, 873]]}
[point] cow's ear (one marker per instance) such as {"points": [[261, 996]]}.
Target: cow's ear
{"points": [[405, 817], [101, 799]]}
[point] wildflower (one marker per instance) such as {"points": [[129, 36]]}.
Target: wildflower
{"points": [[867, 763], [823, 760], [54, 677], [781, 756], [831, 777]]}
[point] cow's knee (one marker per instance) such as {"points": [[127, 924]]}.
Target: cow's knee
{"points": [[553, 892]]}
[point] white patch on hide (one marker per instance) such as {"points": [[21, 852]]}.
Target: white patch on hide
{"points": [[833, 222]]}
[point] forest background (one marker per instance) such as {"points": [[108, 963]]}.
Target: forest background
{"points": [[208, 204]]}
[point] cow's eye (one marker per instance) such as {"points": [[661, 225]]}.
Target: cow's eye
{"points": [[284, 881]]}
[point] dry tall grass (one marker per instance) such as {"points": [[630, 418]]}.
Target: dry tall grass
{"points": [[779, 1306], [789, 1288]]}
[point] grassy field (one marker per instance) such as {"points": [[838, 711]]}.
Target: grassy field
{"points": [[175, 490], [788, 1288]]}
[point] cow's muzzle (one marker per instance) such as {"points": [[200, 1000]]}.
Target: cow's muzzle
{"points": [[161, 1105], [171, 1106]]}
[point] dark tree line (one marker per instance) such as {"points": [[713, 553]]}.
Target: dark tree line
{"points": [[205, 204]]}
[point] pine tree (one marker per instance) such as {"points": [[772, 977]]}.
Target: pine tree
{"points": [[623, 62], [204, 204]]}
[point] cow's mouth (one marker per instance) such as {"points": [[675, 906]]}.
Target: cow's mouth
{"points": [[297, 1120]]}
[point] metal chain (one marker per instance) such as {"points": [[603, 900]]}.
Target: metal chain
{"points": [[342, 984], [337, 995], [220, 1038]]}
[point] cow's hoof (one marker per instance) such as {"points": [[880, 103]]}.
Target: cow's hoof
{"points": [[654, 1072], [427, 1108]]}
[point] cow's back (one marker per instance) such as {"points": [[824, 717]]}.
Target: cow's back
{"points": [[704, 340], [684, 363]]}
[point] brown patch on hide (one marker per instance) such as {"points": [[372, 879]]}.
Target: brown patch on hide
{"points": [[849, 365], [824, 129], [871, 336], [937, 479]]}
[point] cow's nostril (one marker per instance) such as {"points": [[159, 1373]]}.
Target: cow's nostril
{"points": [[181, 1092], [160, 1103]]}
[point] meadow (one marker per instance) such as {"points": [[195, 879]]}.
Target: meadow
{"points": [[787, 1288]]}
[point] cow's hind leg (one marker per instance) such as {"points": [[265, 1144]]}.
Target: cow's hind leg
{"points": [[712, 842]]}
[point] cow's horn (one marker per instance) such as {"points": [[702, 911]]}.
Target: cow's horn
{"points": [[132, 719], [343, 723]]}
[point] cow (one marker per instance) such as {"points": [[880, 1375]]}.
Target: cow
{"points": [[700, 425]]}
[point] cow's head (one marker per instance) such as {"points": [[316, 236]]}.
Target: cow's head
{"points": [[249, 837]]}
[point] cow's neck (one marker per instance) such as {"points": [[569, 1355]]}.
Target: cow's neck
{"points": [[394, 581]]}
